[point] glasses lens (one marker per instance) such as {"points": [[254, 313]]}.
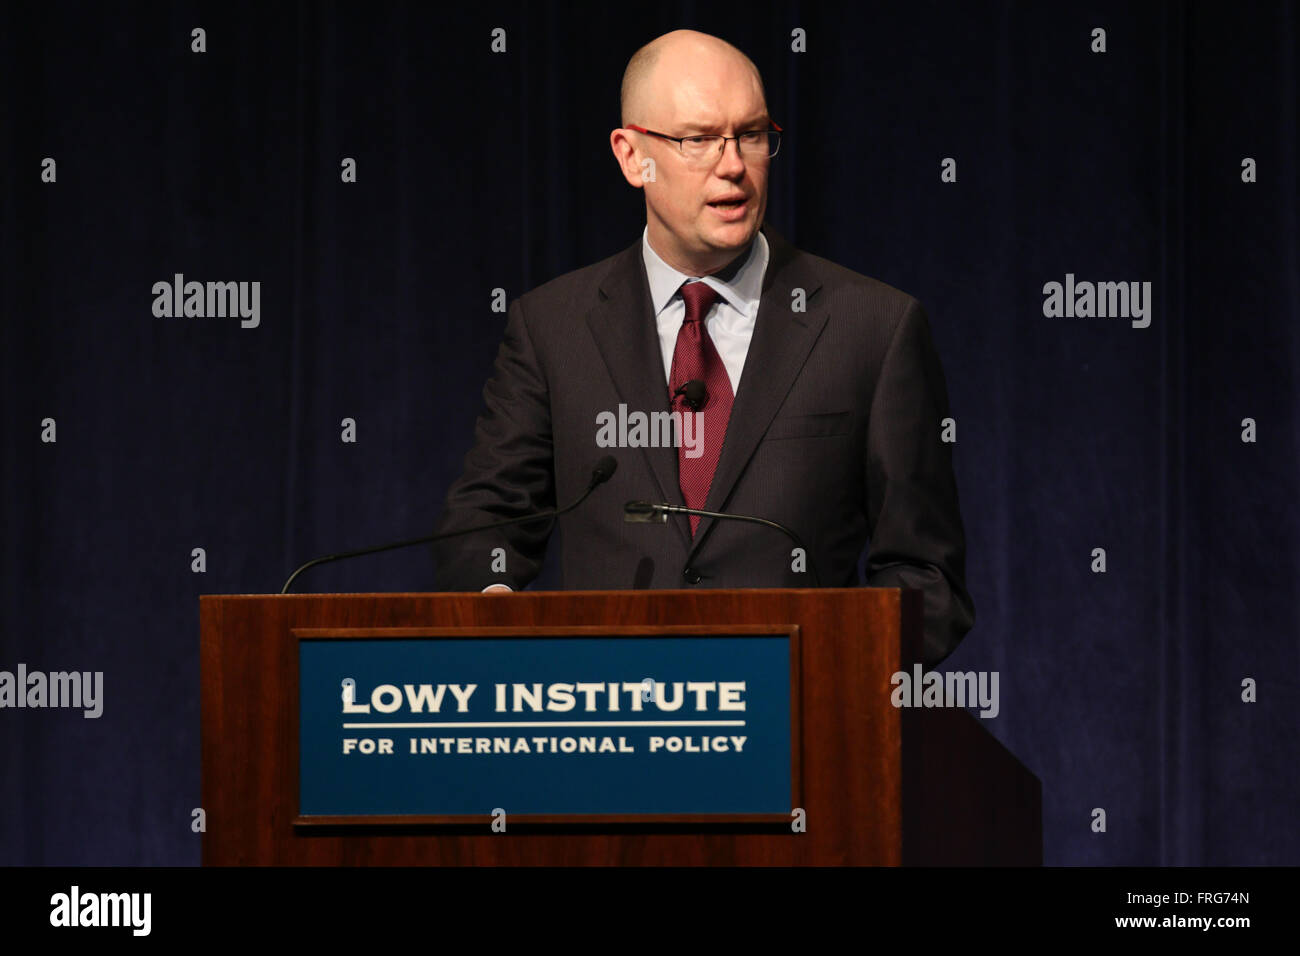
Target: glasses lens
{"points": [[701, 149], [760, 143], [705, 150]]}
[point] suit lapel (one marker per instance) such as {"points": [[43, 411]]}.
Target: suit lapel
{"points": [[623, 325], [780, 346]]}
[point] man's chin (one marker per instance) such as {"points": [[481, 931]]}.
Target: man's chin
{"points": [[730, 236]]}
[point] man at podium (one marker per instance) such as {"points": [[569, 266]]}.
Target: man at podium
{"points": [[725, 371]]}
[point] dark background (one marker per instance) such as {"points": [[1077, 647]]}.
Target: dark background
{"points": [[476, 171]]}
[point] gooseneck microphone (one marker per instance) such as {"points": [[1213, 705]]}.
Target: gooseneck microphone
{"points": [[653, 512], [695, 393], [603, 471]]}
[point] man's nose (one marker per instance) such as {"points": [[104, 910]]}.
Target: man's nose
{"points": [[730, 160]]}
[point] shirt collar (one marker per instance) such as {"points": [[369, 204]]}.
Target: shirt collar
{"points": [[742, 290]]}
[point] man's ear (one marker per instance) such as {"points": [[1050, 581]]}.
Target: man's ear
{"points": [[633, 168]]}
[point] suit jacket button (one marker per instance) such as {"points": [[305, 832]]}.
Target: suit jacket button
{"points": [[692, 576]]}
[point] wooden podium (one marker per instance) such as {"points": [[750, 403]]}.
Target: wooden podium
{"points": [[881, 785]]}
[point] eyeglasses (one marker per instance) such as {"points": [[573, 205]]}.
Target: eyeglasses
{"points": [[703, 151]]}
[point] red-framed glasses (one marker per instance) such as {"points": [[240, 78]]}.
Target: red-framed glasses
{"points": [[704, 149]]}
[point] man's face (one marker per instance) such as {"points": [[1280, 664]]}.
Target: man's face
{"points": [[687, 227]]}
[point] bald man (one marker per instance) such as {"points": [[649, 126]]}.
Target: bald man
{"points": [[726, 371]]}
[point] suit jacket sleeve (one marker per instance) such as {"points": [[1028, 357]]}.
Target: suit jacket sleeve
{"points": [[917, 539], [507, 473]]}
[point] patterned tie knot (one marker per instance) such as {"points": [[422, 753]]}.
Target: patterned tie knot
{"points": [[699, 298]]}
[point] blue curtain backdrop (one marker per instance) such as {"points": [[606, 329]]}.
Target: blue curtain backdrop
{"points": [[1122, 690]]}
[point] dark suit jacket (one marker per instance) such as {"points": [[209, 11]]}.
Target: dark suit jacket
{"points": [[834, 432]]}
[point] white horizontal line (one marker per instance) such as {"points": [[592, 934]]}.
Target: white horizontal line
{"points": [[554, 723]]}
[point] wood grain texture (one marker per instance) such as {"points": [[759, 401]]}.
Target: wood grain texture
{"points": [[958, 797]]}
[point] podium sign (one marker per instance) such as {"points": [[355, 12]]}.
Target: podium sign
{"points": [[472, 730], [441, 725]]}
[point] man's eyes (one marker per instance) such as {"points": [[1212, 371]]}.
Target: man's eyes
{"points": [[750, 136]]}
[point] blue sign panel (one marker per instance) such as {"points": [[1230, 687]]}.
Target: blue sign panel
{"points": [[431, 726]]}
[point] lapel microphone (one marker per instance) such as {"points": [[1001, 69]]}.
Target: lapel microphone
{"points": [[695, 393]]}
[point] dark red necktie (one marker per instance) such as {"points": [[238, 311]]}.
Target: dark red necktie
{"points": [[696, 359]]}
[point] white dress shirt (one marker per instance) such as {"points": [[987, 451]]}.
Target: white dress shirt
{"points": [[730, 323]]}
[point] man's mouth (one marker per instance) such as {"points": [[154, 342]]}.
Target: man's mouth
{"points": [[732, 210]]}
